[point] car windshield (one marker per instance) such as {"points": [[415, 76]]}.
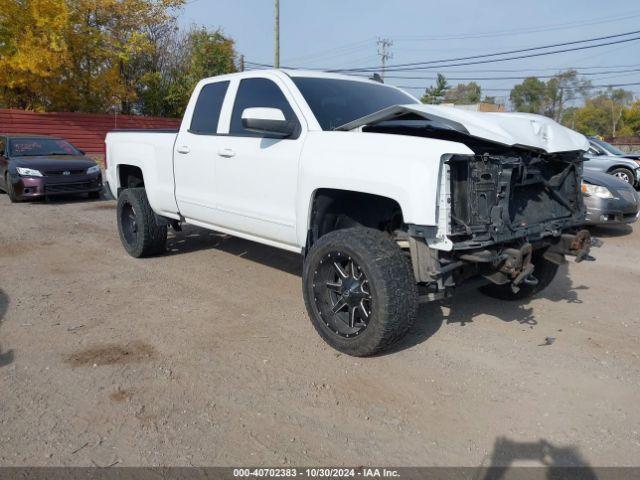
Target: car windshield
{"points": [[335, 102], [608, 147], [36, 147]]}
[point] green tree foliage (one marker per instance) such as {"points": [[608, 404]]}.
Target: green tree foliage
{"points": [[529, 96], [607, 114], [463, 93], [549, 98], [436, 93], [103, 55], [188, 58], [631, 120]]}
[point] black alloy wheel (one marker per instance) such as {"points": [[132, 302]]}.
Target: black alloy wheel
{"points": [[342, 294], [129, 224]]}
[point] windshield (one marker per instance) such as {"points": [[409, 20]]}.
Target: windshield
{"points": [[35, 147], [335, 102], [608, 147]]}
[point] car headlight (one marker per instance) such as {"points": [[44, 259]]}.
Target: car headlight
{"points": [[596, 191], [28, 172], [94, 169]]}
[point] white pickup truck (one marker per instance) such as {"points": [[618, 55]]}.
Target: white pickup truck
{"points": [[385, 198]]}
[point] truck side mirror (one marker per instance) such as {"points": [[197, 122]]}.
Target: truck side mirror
{"points": [[270, 121]]}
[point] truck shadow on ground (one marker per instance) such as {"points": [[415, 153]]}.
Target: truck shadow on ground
{"points": [[610, 231], [6, 358], [467, 303], [558, 462], [193, 239]]}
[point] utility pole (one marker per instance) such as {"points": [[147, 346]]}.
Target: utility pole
{"points": [[242, 63], [276, 63], [383, 50]]}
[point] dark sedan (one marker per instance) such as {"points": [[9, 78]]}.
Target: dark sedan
{"points": [[37, 166], [608, 199]]}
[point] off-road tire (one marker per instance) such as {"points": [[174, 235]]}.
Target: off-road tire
{"points": [[545, 271], [631, 179], [393, 291], [149, 238], [10, 191]]}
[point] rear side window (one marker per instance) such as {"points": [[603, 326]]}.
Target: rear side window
{"points": [[207, 112], [257, 92]]}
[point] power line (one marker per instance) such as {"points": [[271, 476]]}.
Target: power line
{"points": [[335, 51], [402, 77], [478, 62], [611, 85], [508, 52], [519, 31], [501, 70]]}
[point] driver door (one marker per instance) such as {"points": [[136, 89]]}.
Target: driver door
{"points": [[257, 174]]}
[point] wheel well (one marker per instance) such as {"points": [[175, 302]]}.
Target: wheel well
{"points": [[130, 176], [336, 209], [615, 167]]}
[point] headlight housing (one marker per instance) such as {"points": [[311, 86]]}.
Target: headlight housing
{"points": [[28, 172], [94, 169], [596, 191]]}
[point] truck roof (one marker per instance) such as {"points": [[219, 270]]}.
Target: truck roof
{"points": [[297, 73]]}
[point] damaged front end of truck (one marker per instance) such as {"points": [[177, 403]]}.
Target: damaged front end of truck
{"points": [[509, 209]]}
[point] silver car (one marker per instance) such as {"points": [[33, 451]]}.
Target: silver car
{"points": [[623, 168]]}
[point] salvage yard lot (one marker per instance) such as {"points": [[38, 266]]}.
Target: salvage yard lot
{"points": [[206, 356]]}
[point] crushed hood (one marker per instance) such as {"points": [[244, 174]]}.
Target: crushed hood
{"points": [[512, 129]]}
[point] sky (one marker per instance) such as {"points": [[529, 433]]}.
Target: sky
{"points": [[338, 34]]}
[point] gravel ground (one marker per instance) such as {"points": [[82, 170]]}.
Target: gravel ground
{"points": [[205, 356]]}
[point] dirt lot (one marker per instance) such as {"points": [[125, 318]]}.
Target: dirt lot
{"points": [[206, 357]]}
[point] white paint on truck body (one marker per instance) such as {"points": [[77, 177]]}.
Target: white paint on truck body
{"points": [[262, 188]]}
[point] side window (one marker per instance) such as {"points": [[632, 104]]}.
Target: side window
{"points": [[593, 150], [257, 92], [207, 111]]}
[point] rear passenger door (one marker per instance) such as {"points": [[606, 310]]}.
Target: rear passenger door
{"points": [[195, 154], [257, 175]]}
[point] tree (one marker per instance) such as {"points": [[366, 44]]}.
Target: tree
{"points": [[436, 93], [631, 119], [562, 89], [102, 55], [529, 96], [464, 93], [185, 59], [617, 99], [33, 49], [606, 114]]}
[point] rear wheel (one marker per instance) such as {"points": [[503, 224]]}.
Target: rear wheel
{"points": [[139, 231], [624, 174], [544, 271], [359, 290]]}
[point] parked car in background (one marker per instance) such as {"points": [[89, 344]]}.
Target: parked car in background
{"points": [[608, 199], [34, 166], [623, 168], [600, 147]]}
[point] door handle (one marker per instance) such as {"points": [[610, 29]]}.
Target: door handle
{"points": [[226, 152], [183, 149]]}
